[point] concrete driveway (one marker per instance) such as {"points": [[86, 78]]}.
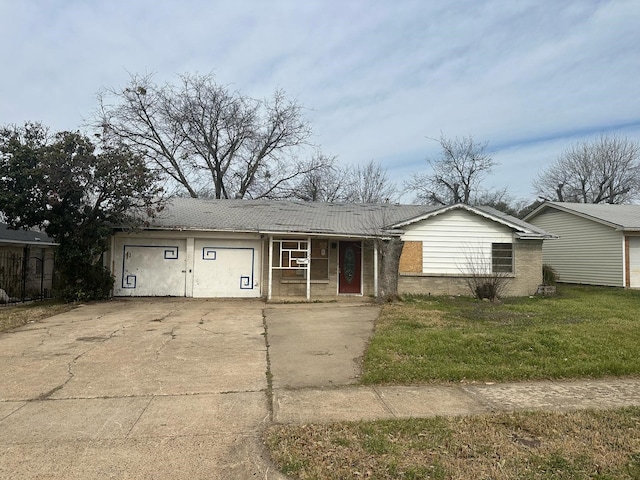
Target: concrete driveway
{"points": [[319, 344], [140, 389]]}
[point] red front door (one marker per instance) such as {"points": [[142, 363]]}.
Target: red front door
{"points": [[350, 265]]}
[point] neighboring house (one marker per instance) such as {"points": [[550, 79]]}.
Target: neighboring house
{"points": [[26, 264], [598, 244], [283, 249]]}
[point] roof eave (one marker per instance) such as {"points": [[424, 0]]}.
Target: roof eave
{"points": [[562, 208], [517, 228], [27, 242]]}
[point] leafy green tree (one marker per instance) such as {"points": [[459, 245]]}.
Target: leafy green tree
{"points": [[77, 194]]}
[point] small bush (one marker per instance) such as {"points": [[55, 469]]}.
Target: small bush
{"points": [[86, 282], [486, 290], [549, 275]]}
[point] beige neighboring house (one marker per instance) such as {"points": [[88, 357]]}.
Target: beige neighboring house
{"points": [[307, 250], [26, 264], [598, 244]]}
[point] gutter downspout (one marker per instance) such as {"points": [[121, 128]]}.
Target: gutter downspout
{"points": [[270, 281], [375, 268], [308, 268]]}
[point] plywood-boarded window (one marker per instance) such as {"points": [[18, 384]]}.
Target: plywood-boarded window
{"points": [[411, 258]]}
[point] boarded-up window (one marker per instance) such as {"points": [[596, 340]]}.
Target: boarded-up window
{"points": [[502, 257], [411, 258]]}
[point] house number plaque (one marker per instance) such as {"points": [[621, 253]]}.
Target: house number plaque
{"points": [[349, 264]]}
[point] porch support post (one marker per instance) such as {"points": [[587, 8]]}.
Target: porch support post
{"points": [[270, 280], [375, 268], [308, 268]]}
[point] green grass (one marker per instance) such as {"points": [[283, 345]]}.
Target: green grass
{"points": [[581, 332]]}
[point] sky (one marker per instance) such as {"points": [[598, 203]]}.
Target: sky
{"points": [[379, 79]]}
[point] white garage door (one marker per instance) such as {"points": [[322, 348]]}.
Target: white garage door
{"points": [[154, 268], [634, 262], [226, 268]]}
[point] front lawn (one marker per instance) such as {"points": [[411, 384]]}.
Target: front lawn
{"points": [[582, 445], [15, 316], [581, 332]]}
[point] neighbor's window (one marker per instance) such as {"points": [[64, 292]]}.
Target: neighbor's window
{"points": [[502, 257]]}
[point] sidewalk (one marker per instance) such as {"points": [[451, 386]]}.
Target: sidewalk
{"points": [[354, 403]]}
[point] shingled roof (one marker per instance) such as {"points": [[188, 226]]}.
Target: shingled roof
{"points": [[269, 216], [23, 237], [281, 216]]}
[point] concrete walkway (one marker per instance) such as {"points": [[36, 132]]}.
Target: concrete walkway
{"points": [[352, 403]]}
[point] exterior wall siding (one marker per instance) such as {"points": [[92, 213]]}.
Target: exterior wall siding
{"points": [[587, 252], [524, 281], [452, 239]]}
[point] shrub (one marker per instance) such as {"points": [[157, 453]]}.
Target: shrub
{"points": [[549, 275]]}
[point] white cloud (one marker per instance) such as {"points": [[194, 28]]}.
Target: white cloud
{"points": [[378, 77]]}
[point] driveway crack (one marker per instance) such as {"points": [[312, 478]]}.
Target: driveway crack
{"points": [[139, 417], [46, 395], [269, 391], [172, 336]]}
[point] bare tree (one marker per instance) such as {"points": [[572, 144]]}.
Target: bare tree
{"points": [[323, 181], [456, 176], [606, 170], [369, 183], [206, 139]]}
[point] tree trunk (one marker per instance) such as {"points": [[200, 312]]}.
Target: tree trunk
{"points": [[390, 251]]}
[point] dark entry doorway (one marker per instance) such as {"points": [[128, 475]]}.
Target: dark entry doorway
{"points": [[350, 265]]}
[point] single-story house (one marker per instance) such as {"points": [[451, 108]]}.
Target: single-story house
{"points": [[283, 249], [26, 263], [598, 244]]}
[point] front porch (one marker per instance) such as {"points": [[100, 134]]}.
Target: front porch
{"points": [[317, 268]]}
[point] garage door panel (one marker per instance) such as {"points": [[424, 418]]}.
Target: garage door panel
{"points": [[226, 269], [152, 269]]}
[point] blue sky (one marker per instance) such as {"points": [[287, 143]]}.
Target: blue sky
{"points": [[378, 78]]}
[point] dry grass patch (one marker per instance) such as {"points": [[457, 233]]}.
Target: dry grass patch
{"points": [[419, 314], [598, 444], [14, 317]]}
